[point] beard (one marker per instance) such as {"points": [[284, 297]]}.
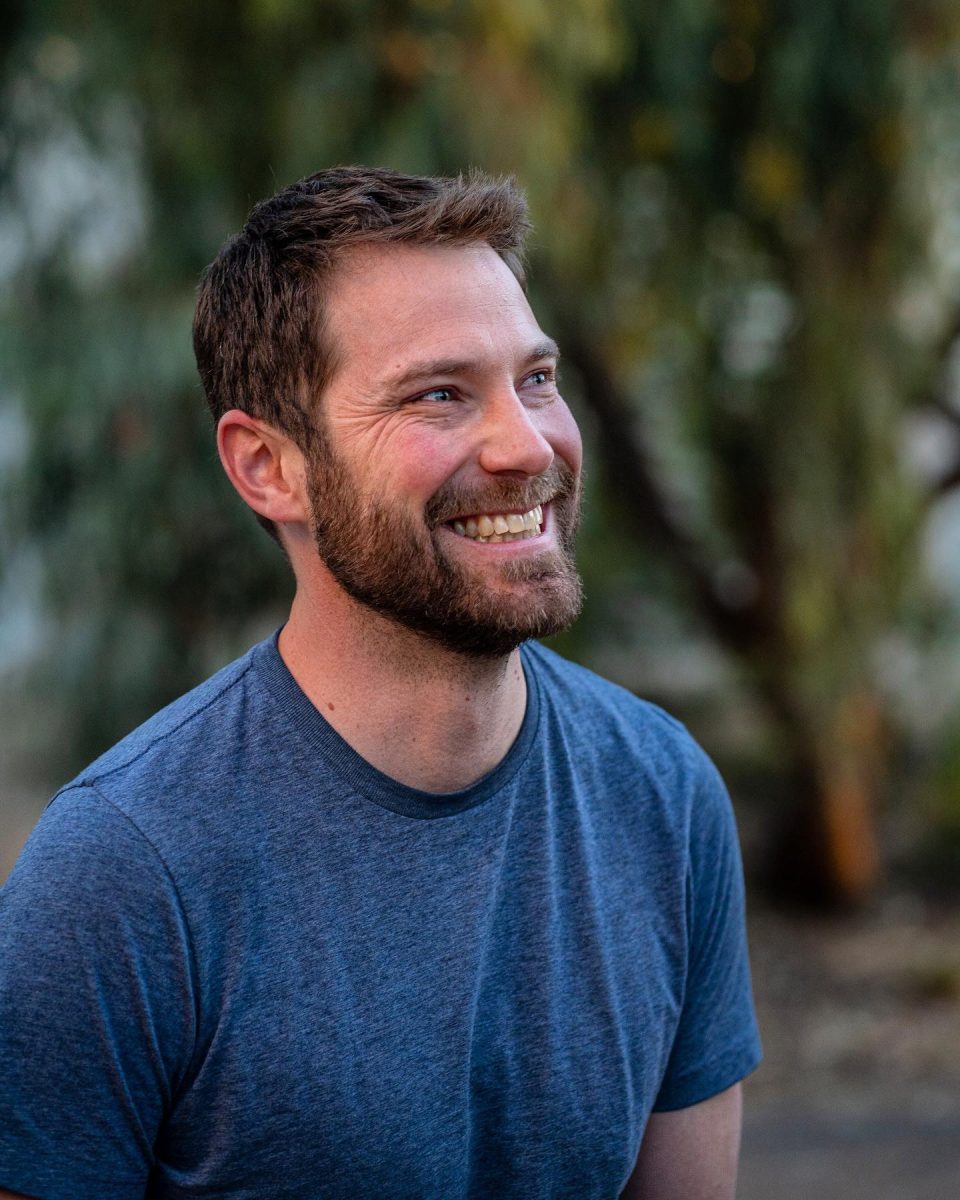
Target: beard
{"points": [[396, 564]]}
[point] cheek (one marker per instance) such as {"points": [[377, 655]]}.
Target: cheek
{"points": [[421, 460], [563, 434]]}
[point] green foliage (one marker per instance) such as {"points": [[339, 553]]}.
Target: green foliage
{"points": [[730, 204]]}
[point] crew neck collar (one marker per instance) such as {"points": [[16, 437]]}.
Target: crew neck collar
{"points": [[316, 734]]}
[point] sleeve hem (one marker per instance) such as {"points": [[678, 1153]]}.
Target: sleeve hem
{"points": [[710, 1080], [38, 1188]]}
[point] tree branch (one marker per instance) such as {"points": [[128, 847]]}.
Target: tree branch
{"points": [[946, 483], [628, 465]]}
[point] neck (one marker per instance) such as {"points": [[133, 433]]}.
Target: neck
{"points": [[426, 716]]}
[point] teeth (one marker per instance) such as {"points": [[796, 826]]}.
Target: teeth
{"points": [[501, 527]]}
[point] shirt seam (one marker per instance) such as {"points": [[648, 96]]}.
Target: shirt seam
{"points": [[739, 1059], [84, 780], [359, 789], [194, 964], [746, 1042]]}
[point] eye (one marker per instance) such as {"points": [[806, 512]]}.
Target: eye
{"points": [[543, 379], [440, 395]]}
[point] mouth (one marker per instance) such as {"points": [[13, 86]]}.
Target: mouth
{"points": [[499, 526]]}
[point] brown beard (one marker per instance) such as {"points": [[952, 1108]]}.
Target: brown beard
{"points": [[397, 567]]}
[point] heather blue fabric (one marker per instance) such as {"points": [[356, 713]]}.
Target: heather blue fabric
{"points": [[237, 961]]}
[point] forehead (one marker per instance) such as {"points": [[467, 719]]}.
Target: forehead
{"points": [[390, 306]]}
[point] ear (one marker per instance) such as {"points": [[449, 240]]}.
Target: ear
{"points": [[265, 467]]}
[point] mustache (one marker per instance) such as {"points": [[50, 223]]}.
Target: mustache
{"points": [[450, 501]]}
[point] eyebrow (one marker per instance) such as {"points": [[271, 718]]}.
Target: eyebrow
{"points": [[433, 368]]}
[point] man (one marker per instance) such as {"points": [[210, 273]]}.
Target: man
{"points": [[400, 904]]}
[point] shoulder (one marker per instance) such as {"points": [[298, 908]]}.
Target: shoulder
{"points": [[158, 813], [636, 765], [198, 712], [175, 775], [583, 692], [82, 849], [615, 722]]}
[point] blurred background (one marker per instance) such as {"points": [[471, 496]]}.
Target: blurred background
{"points": [[748, 245]]}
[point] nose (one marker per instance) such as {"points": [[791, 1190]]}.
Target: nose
{"points": [[512, 441]]}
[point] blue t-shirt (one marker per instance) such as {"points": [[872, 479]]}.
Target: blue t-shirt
{"points": [[238, 961]]}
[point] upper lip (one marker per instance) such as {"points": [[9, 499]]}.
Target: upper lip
{"points": [[492, 511]]}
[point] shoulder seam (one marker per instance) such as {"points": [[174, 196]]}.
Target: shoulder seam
{"points": [[88, 780], [194, 966]]}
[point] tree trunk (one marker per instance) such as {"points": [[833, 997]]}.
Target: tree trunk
{"points": [[826, 853]]}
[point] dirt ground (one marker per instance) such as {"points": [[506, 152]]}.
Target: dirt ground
{"points": [[859, 1094]]}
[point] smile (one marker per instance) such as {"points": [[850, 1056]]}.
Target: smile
{"points": [[500, 527]]}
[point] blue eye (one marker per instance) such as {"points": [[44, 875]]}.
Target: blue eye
{"points": [[544, 378], [442, 395]]}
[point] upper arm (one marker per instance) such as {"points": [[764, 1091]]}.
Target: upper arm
{"points": [[715, 1042], [691, 1153], [96, 1009]]}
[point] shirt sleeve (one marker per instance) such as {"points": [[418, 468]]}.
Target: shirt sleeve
{"points": [[97, 1014], [717, 1042]]}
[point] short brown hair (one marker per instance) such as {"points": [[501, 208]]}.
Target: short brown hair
{"points": [[258, 332]]}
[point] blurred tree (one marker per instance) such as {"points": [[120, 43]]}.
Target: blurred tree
{"points": [[734, 211], [778, 167]]}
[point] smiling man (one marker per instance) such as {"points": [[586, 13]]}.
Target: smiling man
{"points": [[400, 904]]}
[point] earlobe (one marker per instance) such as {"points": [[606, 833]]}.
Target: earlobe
{"points": [[264, 466]]}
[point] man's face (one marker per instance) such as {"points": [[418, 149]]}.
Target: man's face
{"points": [[445, 483]]}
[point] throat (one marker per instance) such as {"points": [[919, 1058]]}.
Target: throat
{"points": [[444, 737], [427, 718]]}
